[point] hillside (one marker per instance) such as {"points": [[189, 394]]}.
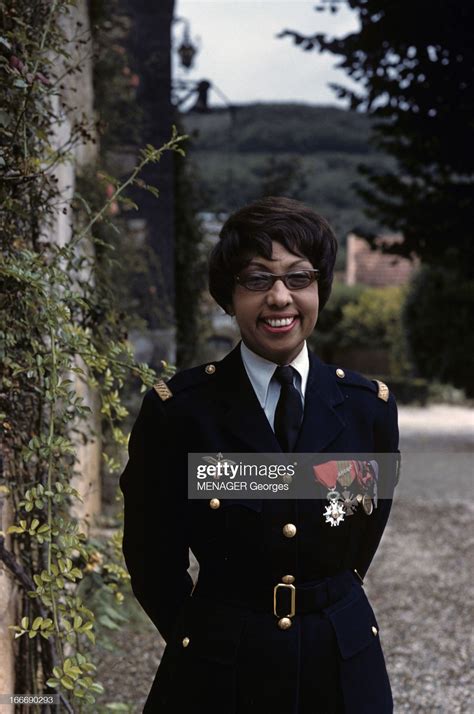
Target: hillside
{"points": [[308, 152]]}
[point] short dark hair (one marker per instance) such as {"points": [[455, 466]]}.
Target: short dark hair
{"points": [[250, 231]]}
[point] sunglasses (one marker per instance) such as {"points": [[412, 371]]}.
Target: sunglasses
{"points": [[294, 280]]}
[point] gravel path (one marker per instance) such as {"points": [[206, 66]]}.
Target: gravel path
{"points": [[452, 421], [420, 584], [421, 588]]}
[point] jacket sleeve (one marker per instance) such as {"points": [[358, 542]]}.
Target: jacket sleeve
{"points": [[155, 540], [386, 442]]}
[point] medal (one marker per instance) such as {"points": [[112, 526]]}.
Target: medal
{"points": [[345, 473], [367, 504], [334, 513], [358, 482], [350, 503]]}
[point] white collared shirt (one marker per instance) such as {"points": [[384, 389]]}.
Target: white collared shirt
{"points": [[260, 372]]}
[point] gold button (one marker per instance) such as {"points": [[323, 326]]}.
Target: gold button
{"points": [[284, 623], [210, 369], [214, 503], [340, 373], [288, 579], [289, 530], [374, 630], [186, 641]]}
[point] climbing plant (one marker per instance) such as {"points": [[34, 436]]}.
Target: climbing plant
{"points": [[54, 341]]}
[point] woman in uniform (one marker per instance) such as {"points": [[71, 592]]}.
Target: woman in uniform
{"points": [[278, 620]]}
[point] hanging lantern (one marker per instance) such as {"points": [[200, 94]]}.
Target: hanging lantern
{"points": [[186, 50]]}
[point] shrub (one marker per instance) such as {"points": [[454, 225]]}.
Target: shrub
{"points": [[437, 317], [328, 334], [375, 321], [366, 318]]}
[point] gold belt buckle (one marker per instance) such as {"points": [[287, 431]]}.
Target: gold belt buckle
{"points": [[292, 613]]}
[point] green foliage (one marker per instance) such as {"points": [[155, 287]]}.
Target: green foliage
{"points": [[125, 270], [281, 128], [103, 584], [328, 334], [411, 76], [437, 318], [363, 317], [282, 177], [375, 320], [447, 394], [190, 262], [115, 84], [53, 343], [415, 77]]}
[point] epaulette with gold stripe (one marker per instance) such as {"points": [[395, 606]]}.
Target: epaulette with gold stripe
{"points": [[383, 391], [162, 389]]}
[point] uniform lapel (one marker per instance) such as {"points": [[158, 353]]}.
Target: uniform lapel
{"points": [[321, 422], [242, 414]]}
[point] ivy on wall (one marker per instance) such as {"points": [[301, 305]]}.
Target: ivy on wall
{"points": [[54, 340]]}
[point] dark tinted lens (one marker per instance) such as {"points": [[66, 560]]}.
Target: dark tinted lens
{"points": [[256, 281], [299, 279]]}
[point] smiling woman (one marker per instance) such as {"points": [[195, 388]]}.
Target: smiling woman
{"points": [[278, 619], [275, 322]]}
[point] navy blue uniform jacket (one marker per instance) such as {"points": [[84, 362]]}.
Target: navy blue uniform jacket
{"points": [[225, 653]]}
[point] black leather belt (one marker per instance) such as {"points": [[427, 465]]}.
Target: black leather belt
{"points": [[290, 600], [286, 599]]}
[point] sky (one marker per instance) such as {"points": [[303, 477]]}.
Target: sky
{"points": [[240, 54]]}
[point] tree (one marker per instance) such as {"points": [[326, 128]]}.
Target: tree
{"points": [[414, 65], [190, 259]]}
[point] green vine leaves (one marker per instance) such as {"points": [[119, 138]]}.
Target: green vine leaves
{"points": [[47, 348], [53, 348]]}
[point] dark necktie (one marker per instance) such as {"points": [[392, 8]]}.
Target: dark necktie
{"points": [[289, 410]]}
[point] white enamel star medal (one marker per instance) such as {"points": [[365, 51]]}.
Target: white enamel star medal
{"points": [[334, 513]]}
